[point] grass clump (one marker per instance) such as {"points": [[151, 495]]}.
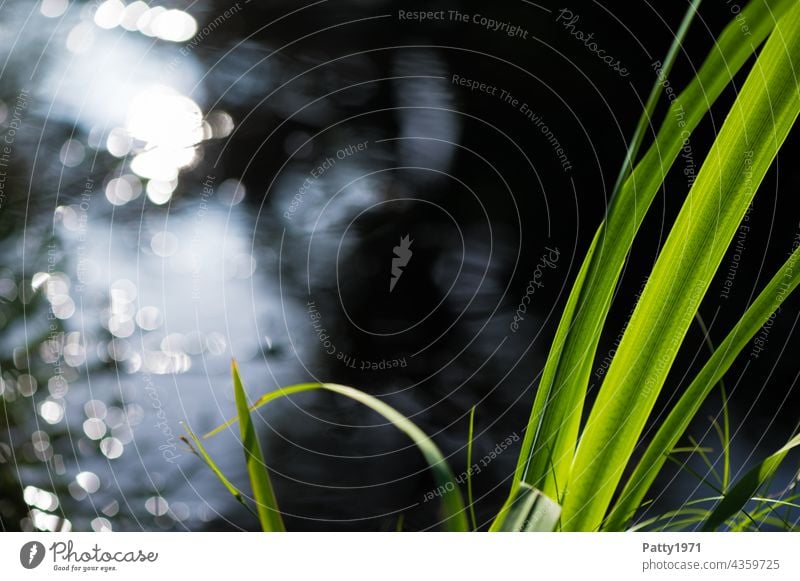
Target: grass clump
{"points": [[573, 475]]}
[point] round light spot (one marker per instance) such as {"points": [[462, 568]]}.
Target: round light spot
{"points": [[53, 8], [120, 191], [133, 12], [111, 448], [180, 511], [95, 408], [40, 440], [164, 244], [8, 289], [123, 290], [74, 354], [160, 192], [94, 428], [27, 385], [119, 142], [57, 386], [38, 279], [72, 153], [221, 124], [39, 498], [51, 412], [157, 505], [101, 525], [149, 318], [81, 38], [76, 491], [64, 309], [172, 343], [111, 509], [88, 481], [146, 20], [231, 192], [109, 14], [119, 349], [121, 326], [175, 26]]}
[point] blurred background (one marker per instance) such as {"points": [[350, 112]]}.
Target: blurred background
{"points": [[331, 191]]}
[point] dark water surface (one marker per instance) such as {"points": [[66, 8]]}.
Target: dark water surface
{"points": [[343, 196]]}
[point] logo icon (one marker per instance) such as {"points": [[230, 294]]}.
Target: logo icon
{"points": [[31, 554], [402, 255]]}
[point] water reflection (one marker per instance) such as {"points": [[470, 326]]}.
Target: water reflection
{"points": [[188, 186], [153, 276], [120, 332], [200, 207]]}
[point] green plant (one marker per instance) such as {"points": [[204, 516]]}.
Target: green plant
{"points": [[454, 513], [569, 476]]}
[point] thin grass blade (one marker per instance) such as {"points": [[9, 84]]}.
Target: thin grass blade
{"points": [[454, 513], [676, 423], [748, 142], [742, 492], [530, 511], [652, 101], [266, 505], [470, 497], [566, 437], [196, 445], [550, 439]]}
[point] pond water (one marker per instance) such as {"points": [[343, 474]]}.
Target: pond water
{"points": [[174, 195]]}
